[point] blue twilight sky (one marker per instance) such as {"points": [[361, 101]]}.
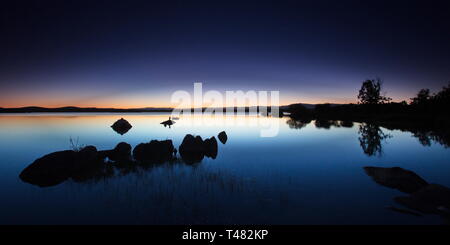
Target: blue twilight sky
{"points": [[136, 53]]}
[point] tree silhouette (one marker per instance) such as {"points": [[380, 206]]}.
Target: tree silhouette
{"points": [[370, 93], [442, 98], [422, 97]]}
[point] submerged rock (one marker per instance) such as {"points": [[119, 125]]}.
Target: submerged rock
{"points": [[223, 137], [154, 152], [121, 126], [423, 198], [431, 199], [397, 178]]}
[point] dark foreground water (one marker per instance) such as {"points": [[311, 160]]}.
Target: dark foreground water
{"points": [[308, 174]]}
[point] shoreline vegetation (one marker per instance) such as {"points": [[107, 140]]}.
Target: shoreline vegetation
{"points": [[427, 116], [425, 110]]}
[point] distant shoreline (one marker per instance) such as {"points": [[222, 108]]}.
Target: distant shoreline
{"points": [[79, 110], [35, 109]]}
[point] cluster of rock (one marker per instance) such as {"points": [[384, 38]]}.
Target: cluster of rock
{"points": [[422, 197], [87, 163], [194, 149]]}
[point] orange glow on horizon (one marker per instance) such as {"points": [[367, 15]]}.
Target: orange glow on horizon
{"points": [[156, 105], [138, 102]]}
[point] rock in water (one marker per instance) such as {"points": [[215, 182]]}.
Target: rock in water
{"points": [[122, 152], [50, 169], [168, 123], [194, 149], [431, 199], [89, 164], [121, 126], [56, 167], [223, 137], [210, 147], [154, 152], [397, 178]]}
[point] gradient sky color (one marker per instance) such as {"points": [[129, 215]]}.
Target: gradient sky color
{"points": [[136, 53]]}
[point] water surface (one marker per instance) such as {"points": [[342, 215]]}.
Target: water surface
{"points": [[310, 173]]}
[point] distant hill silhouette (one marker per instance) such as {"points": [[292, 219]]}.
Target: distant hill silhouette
{"points": [[30, 109], [307, 106], [37, 109]]}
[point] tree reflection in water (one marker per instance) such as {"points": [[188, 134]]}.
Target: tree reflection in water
{"points": [[298, 124], [371, 138]]}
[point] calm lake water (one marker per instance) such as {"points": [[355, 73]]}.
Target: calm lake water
{"points": [[304, 175]]}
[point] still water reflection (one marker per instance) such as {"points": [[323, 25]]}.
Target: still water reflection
{"points": [[312, 172]]}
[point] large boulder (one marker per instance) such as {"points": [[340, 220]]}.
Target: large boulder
{"points": [[51, 169], [154, 152], [396, 178], [56, 167], [192, 149], [121, 126], [223, 137]]}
